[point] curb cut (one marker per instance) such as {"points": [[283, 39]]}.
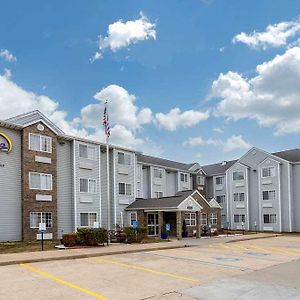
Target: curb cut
{"points": [[78, 256], [253, 238]]}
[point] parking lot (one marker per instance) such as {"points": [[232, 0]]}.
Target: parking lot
{"points": [[246, 270]]}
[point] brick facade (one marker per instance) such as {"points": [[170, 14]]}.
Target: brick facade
{"points": [[29, 202]]}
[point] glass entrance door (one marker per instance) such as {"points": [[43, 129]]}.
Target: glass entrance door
{"points": [[152, 224]]}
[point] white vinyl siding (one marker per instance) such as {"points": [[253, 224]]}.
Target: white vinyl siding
{"points": [[86, 151], [40, 143], [124, 158], [40, 181], [268, 172], [238, 175], [268, 195], [88, 186], [88, 219], [124, 189], [190, 219], [40, 217]]}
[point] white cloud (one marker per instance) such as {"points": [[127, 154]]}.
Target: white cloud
{"points": [[235, 142], [7, 55], [121, 34], [218, 130], [271, 97], [175, 118], [121, 108], [275, 35], [97, 56]]}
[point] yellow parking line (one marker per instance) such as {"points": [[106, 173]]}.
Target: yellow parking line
{"points": [[284, 251], [71, 285], [143, 269]]}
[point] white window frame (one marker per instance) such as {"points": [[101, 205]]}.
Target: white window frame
{"points": [[131, 219], [126, 188], [269, 192], [239, 198], [40, 143], [202, 219], [213, 218], [238, 179], [40, 188], [200, 180], [270, 171], [223, 198], [241, 218], [190, 219], [89, 180], [89, 219], [221, 179], [42, 214], [90, 151], [126, 158], [184, 176], [271, 217], [158, 193], [158, 173]]}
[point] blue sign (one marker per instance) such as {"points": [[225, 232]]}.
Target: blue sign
{"points": [[134, 224], [168, 227]]}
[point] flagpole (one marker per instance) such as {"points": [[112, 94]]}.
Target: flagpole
{"points": [[107, 168]]}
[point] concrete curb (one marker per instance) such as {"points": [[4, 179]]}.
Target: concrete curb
{"points": [[87, 255], [254, 238]]}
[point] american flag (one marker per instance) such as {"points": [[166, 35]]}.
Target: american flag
{"points": [[105, 121]]}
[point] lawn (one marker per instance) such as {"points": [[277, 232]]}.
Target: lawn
{"points": [[16, 247]]}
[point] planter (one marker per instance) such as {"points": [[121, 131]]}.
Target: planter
{"points": [[164, 236]]}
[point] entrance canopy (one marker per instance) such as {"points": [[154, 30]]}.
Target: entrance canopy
{"points": [[182, 201]]}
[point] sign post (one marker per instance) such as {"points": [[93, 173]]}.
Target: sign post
{"points": [[135, 226], [42, 229]]}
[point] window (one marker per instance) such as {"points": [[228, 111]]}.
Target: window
{"points": [[40, 143], [220, 199], [183, 177], [200, 180], [239, 218], [223, 219], [268, 172], [124, 189], [219, 180], [133, 217], [88, 185], [158, 194], [40, 181], [124, 158], [203, 219], [270, 219], [268, 195], [239, 197], [213, 218], [40, 217], [138, 190], [157, 173], [86, 151], [88, 219], [238, 175], [190, 219]]}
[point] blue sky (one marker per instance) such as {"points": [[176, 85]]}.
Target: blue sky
{"points": [[160, 64]]}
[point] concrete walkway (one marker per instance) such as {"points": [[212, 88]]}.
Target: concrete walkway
{"points": [[39, 256]]}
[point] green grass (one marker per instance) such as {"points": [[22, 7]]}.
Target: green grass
{"points": [[17, 247]]}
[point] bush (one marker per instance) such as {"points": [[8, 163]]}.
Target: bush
{"points": [[131, 236], [91, 237], [69, 239]]}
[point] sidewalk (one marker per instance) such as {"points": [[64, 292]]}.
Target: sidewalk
{"points": [[39, 256]]}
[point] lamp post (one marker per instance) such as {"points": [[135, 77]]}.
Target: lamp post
{"points": [[255, 226], [243, 228]]}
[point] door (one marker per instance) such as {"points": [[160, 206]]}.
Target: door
{"points": [[152, 224]]}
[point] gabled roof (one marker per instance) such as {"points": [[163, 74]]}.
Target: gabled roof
{"points": [[292, 155], [213, 203], [152, 160], [34, 117], [164, 202], [219, 168]]}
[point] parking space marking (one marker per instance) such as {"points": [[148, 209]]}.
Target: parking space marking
{"points": [[69, 284], [144, 269]]}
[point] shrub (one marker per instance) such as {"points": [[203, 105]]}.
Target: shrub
{"points": [[91, 236], [69, 239], [215, 233], [131, 236]]}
